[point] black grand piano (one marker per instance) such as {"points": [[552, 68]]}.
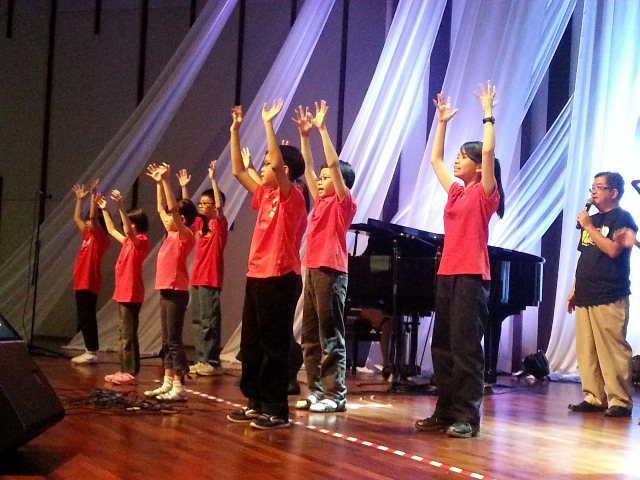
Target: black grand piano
{"points": [[397, 273]]}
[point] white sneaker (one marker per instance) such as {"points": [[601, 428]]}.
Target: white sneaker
{"points": [[173, 396], [205, 369], [166, 387], [87, 358], [306, 403], [193, 369]]}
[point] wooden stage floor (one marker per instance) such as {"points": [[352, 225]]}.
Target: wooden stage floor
{"points": [[527, 433]]}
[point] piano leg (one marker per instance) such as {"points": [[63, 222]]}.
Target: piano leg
{"points": [[492, 330]]}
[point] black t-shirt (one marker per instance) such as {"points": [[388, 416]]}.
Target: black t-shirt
{"points": [[601, 279]]}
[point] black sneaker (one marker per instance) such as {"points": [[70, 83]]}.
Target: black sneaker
{"points": [[270, 422], [433, 424], [586, 407], [246, 415], [617, 411], [463, 430]]}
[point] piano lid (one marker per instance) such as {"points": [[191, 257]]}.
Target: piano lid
{"points": [[392, 230]]}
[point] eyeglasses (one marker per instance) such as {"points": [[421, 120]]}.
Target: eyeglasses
{"points": [[202, 204], [599, 188]]}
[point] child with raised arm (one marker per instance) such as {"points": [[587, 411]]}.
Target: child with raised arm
{"points": [[129, 290], [325, 287], [172, 279], [211, 229], [273, 280], [462, 287], [87, 277]]}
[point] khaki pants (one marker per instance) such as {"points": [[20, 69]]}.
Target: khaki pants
{"points": [[604, 356]]}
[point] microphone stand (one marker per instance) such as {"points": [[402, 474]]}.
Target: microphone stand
{"points": [[42, 196]]}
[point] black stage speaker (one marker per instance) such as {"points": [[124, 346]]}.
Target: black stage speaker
{"points": [[28, 404]]}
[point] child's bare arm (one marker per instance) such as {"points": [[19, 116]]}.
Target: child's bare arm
{"points": [[93, 224], [302, 118], [155, 173], [80, 193], [237, 166], [214, 186], [248, 165], [487, 95], [183, 179], [275, 155], [101, 201], [117, 197], [172, 204], [445, 113], [329, 150]]}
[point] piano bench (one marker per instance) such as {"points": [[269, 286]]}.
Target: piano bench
{"points": [[358, 337]]}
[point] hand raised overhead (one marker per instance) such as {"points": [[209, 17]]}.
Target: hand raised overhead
{"points": [[443, 108]]}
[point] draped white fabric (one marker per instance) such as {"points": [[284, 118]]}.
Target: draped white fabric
{"points": [[512, 44], [281, 82], [603, 136], [377, 136], [119, 164]]}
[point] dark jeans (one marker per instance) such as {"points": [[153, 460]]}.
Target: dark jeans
{"points": [[129, 348], [325, 355], [86, 303], [267, 319], [206, 322], [173, 305], [458, 359]]}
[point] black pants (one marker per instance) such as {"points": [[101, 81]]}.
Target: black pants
{"points": [[173, 305], [86, 303], [458, 358], [267, 319]]}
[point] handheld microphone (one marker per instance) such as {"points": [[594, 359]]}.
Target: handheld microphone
{"points": [[636, 184], [587, 206]]}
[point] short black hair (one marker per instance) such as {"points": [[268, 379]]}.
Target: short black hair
{"points": [[292, 158], [614, 180], [188, 210], [138, 218], [346, 170], [209, 193]]}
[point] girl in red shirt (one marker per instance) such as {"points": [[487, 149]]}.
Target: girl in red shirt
{"points": [[172, 279], [87, 277], [129, 291], [462, 288]]}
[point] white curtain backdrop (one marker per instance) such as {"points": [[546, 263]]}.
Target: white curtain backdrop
{"points": [[604, 119]]}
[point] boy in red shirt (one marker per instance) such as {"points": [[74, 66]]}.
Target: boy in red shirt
{"points": [[211, 229], [129, 291], [87, 277], [325, 287], [273, 280]]}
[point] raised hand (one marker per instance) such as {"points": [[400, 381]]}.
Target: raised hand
{"points": [[156, 172], [237, 117], [443, 108], [487, 96], [269, 113], [101, 201], [80, 191], [321, 112], [246, 157], [212, 169], [302, 118], [117, 197], [183, 177]]}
